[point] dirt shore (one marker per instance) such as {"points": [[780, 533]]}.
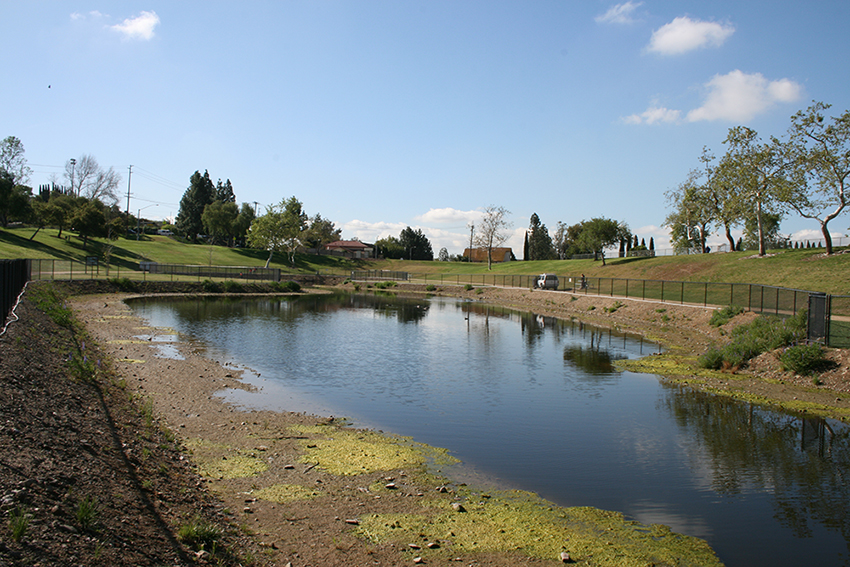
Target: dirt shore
{"points": [[190, 458]]}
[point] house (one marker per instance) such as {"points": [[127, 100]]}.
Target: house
{"points": [[350, 249], [498, 254]]}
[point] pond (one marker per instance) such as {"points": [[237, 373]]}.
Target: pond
{"points": [[536, 403]]}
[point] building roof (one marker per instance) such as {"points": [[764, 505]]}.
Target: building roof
{"points": [[348, 245]]}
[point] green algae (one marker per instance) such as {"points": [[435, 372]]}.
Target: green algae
{"points": [[348, 452], [217, 460], [283, 493], [522, 522]]}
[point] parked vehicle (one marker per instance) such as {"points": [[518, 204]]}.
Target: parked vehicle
{"points": [[546, 281]]}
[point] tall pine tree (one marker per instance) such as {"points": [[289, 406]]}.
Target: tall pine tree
{"points": [[539, 241], [200, 193]]}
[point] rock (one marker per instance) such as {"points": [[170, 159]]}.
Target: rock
{"points": [[353, 522], [458, 507], [565, 557], [418, 560]]}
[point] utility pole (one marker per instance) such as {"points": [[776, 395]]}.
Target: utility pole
{"points": [[471, 232], [129, 175]]}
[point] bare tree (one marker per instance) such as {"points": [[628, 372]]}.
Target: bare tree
{"points": [[88, 179], [492, 231]]}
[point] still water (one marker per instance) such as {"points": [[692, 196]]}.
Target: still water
{"points": [[535, 403]]}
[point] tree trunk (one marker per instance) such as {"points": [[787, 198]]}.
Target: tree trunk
{"points": [[730, 239], [34, 233], [269, 261], [761, 229], [826, 238]]}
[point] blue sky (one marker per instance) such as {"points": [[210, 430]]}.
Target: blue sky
{"points": [[386, 114]]}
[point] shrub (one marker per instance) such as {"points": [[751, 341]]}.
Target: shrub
{"points": [[124, 284], [724, 315], [468, 287], [286, 287], [748, 341], [803, 359], [210, 286], [430, 287], [231, 286], [711, 359]]}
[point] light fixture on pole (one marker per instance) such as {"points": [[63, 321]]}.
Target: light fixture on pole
{"points": [[73, 165], [139, 219]]}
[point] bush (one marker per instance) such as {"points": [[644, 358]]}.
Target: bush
{"points": [[286, 287], [748, 341], [231, 286], [124, 284], [722, 316], [803, 359], [430, 287], [210, 286], [469, 287]]}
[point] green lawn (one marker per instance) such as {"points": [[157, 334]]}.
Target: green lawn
{"points": [[796, 269]]}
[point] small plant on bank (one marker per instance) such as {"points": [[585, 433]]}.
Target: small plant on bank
{"points": [[468, 287], [613, 308], [19, 521], [231, 286], [430, 287], [199, 535], [803, 359], [286, 287], [479, 291], [748, 341], [724, 315], [87, 513], [124, 284]]}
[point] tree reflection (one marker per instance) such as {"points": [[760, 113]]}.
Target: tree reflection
{"points": [[801, 461]]}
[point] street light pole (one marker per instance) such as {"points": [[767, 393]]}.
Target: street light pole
{"points": [[139, 219], [73, 165]]}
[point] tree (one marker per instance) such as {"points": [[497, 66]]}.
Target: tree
{"points": [[88, 179], [415, 244], [539, 241], [770, 232], [224, 192], [444, 255], [389, 247], [200, 193], [757, 171], [492, 231], [321, 231], [14, 199], [280, 229], [693, 212], [219, 218], [560, 241], [89, 220], [243, 223], [13, 161], [819, 153], [599, 233]]}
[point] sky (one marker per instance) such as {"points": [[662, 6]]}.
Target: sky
{"points": [[380, 115]]}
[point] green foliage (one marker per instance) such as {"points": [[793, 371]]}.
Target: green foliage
{"points": [[803, 359], [539, 242], [613, 309], [286, 287], [386, 285], [50, 300], [430, 287], [231, 286], [199, 534], [748, 341], [200, 193], [210, 286], [87, 513], [468, 287], [724, 315], [19, 521]]}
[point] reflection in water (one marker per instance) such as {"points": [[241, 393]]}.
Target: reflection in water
{"points": [[801, 461], [536, 402]]}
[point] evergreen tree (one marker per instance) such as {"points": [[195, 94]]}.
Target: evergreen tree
{"points": [[224, 192], [415, 244], [525, 255], [539, 241], [200, 193], [652, 243]]}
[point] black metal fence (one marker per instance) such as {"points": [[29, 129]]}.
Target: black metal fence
{"points": [[387, 275], [223, 272], [14, 274], [759, 298]]}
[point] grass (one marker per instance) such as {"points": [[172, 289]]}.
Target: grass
{"points": [[19, 521], [796, 269], [87, 513], [199, 535], [748, 341]]}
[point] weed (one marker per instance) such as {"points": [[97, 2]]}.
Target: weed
{"points": [[87, 513], [724, 315], [199, 534], [231, 286], [661, 310], [615, 307], [430, 287], [19, 521], [748, 341], [591, 308], [146, 410], [286, 287], [147, 484], [124, 284], [479, 291], [468, 287], [665, 318]]}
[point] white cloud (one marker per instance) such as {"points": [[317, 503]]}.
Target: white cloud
{"points": [[653, 115], [448, 215], [619, 14], [140, 27], [738, 96], [684, 34]]}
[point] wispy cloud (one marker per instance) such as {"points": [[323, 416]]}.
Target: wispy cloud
{"points": [[141, 27], [654, 115], [738, 96], [684, 34], [448, 216], [619, 14]]}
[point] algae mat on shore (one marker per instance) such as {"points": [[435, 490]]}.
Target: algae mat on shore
{"points": [[522, 522]]}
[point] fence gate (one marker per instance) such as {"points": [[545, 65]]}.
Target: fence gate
{"points": [[818, 324]]}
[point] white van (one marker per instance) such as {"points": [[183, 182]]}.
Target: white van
{"points": [[546, 281]]}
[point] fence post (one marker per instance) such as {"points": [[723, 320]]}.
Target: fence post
{"points": [[662, 291]]}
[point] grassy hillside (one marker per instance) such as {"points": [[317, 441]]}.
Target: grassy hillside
{"points": [[800, 269]]}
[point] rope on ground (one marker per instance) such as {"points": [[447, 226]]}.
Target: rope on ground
{"points": [[9, 319]]}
